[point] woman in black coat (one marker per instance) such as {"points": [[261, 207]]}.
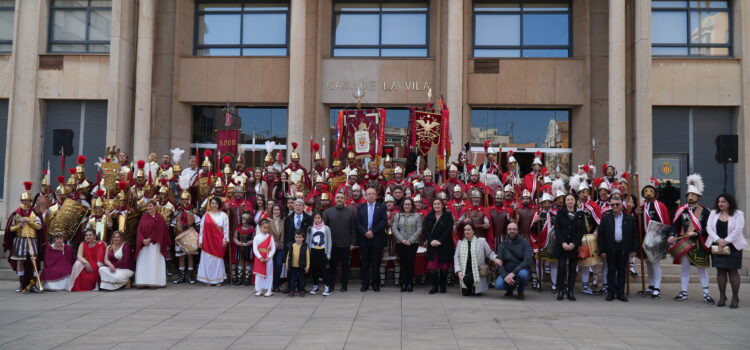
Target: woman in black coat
{"points": [[438, 233], [569, 233]]}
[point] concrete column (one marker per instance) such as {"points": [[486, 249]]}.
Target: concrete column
{"points": [[24, 142], [616, 96], [296, 109], [121, 73], [742, 49], [454, 81], [143, 79], [642, 95]]}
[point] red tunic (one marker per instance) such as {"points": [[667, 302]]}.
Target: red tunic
{"points": [[88, 280]]}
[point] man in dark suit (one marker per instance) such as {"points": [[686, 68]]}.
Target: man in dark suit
{"points": [[618, 241], [297, 219], [371, 222]]}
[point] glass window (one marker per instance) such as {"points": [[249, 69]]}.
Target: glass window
{"points": [[264, 123], [380, 28], [526, 130], [521, 28], [80, 26], [691, 28], [242, 28], [7, 11]]}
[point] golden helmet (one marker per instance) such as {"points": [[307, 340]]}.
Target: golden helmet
{"points": [[231, 187], [45, 179], [81, 160], [26, 195], [98, 203], [351, 154], [294, 155], [268, 158], [177, 168], [319, 179], [325, 196], [219, 182], [121, 196], [207, 159], [185, 194]]}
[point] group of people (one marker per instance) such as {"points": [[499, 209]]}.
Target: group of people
{"points": [[152, 221]]}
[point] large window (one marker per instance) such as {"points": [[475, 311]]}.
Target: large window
{"points": [[80, 26], [525, 131], [259, 123], [242, 28], [527, 28], [385, 28], [691, 28], [7, 8]]}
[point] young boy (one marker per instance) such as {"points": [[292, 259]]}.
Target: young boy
{"points": [[297, 263]]}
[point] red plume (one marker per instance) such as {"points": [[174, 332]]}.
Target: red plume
{"points": [[27, 185], [604, 168], [545, 172], [72, 171], [207, 153], [100, 193], [487, 145], [81, 159], [350, 147], [538, 154], [336, 155], [586, 168], [61, 179], [388, 151], [316, 147], [510, 153], [163, 182], [294, 145], [597, 182], [122, 185], [324, 187], [625, 175], [227, 159], [141, 164], [46, 171], [546, 188]]}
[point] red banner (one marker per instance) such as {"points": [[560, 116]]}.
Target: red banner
{"points": [[428, 130], [363, 129], [226, 142]]}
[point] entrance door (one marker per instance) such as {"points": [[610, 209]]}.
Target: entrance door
{"points": [[670, 169]]}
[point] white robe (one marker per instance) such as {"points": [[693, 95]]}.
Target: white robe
{"points": [[114, 280], [150, 267], [211, 269], [264, 283]]}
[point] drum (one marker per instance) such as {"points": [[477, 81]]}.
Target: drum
{"points": [[188, 241], [681, 247], [420, 261], [593, 258]]}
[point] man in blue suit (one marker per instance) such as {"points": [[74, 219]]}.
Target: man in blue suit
{"points": [[371, 222]]}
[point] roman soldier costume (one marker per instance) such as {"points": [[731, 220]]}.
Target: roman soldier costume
{"points": [[462, 168], [457, 203], [164, 206], [604, 193], [334, 175], [351, 180], [23, 238], [296, 172], [452, 180], [83, 184], [373, 179], [490, 165], [532, 181], [314, 198], [477, 215], [541, 229], [653, 209], [689, 231], [525, 211], [398, 182], [99, 221], [500, 215], [474, 184], [388, 165], [184, 219], [235, 208], [512, 176], [430, 187]]}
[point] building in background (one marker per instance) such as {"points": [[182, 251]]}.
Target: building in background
{"points": [[653, 82]]}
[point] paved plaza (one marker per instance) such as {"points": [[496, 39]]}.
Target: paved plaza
{"points": [[199, 317]]}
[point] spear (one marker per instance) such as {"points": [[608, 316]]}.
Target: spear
{"points": [[636, 184]]}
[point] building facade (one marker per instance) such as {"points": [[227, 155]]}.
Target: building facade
{"points": [[646, 85]]}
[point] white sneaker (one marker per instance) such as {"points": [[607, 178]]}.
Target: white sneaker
{"points": [[268, 293], [587, 290], [314, 290], [257, 294], [326, 291]]}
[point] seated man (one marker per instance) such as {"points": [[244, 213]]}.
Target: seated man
{"points": [[515, 257]]}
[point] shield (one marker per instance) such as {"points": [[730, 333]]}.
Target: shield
{"points": [[111, 172], [68, 218], [427, 130], [655, 241], [132, 219]]}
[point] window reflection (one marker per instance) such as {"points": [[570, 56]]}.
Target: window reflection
{"points": [[691, 28], [380, 28], [525, 28], [7, 9], [79, 26], [242, 28]]}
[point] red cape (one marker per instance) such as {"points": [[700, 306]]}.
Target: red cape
{"points": [[153, 227]]}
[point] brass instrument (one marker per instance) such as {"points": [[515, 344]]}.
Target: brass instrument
{"points": [[68, 218]]}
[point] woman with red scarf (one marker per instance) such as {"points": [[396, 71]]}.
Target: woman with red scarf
{"points": [[151, 248], [213, 240]]}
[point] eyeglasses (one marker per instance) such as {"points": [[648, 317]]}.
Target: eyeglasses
{"points": [[616, 204]]}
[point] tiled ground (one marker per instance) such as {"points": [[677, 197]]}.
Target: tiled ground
{"points": [[200, 317]]}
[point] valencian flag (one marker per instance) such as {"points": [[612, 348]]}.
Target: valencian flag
{"points": [[363, 129]]}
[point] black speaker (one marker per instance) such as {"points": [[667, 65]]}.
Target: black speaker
{"points": [[62, 140], [726, 148]]}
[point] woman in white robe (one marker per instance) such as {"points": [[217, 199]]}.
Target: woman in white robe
{"points": [[213, 240], [118, 264]]}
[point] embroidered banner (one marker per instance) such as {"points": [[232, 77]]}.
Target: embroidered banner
{"points": [[226, 142]]}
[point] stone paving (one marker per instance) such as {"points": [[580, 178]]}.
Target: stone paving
{"points": [[199, 317]]}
